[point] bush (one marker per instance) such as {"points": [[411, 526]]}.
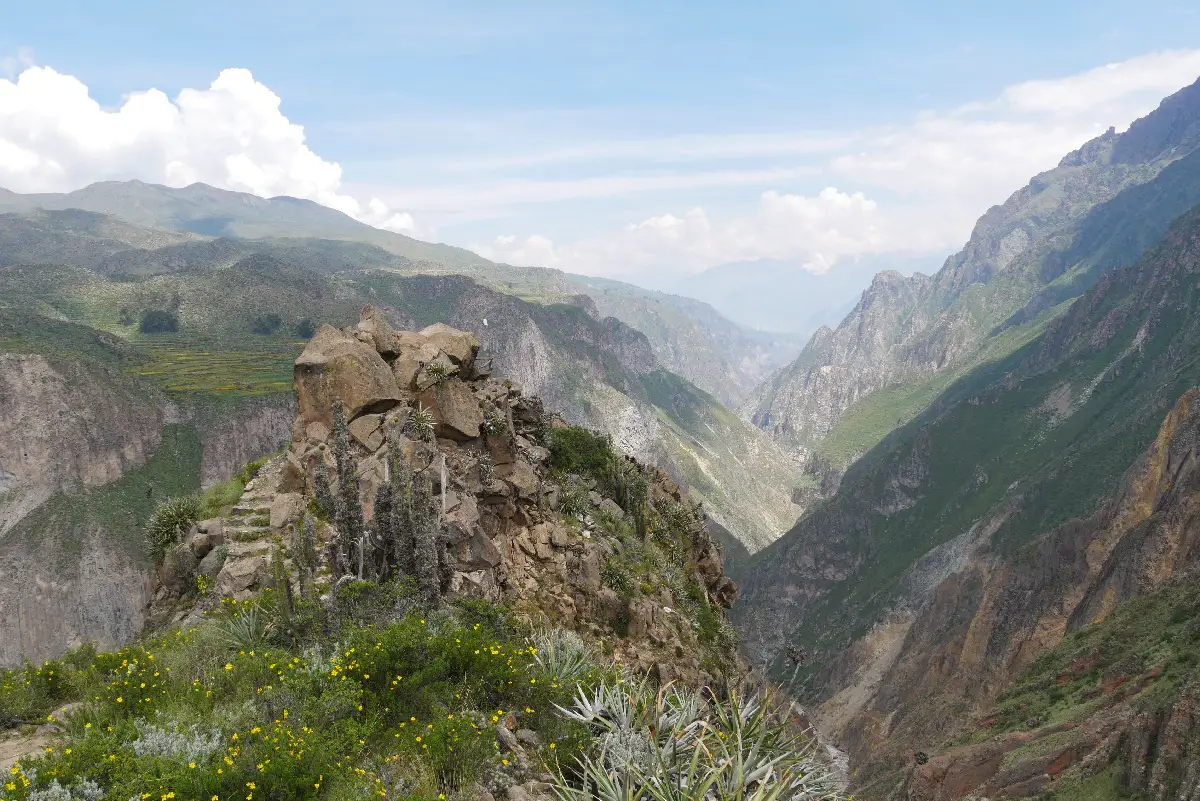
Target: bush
{"points": [[654, 745], [169, 522], [395, 708], [304, 329], [578, 450], [266, 324], [157, 321]]}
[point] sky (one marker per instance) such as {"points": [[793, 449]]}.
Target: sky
{"points": [[646, 141]]}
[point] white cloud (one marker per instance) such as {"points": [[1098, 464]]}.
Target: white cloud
{"points": [[55, 137], [815, 231], [938, 174]]}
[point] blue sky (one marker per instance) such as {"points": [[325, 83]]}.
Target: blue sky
{"points": [[645, 141]]}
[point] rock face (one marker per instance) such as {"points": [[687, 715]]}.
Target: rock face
{"points": [[71, 430], [506, 541], [64, 427], [984, 534], [335, 364], [905, 331]]}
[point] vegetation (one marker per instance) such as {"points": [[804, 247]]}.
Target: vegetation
{"points": [[676, 744], [157, 321], [403, 706], [170, 521], [1151, 643], [266, 324]]}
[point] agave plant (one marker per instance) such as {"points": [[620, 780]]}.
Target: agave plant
{"points": [[672, 745], [248, 629], [170, 521], [420, 424], [563, 654]]}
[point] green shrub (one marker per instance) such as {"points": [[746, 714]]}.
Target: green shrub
{"points": [[304, 329], [157, 321], [266, 324], [579, 450], [407, 702], [169, 522], [617, 574]]}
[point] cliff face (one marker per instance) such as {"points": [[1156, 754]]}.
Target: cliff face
{"points": [[987, 622], [86, 450], [973, 539], [1046, 244]]}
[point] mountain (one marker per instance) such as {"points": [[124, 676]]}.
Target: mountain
{"points": [[692, 339], [775, 295], [206, 210], [1030, 499], [166, 229], [453, 593], [908, 338], [169, 411]]}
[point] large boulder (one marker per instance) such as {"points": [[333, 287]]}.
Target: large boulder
{"points": [[374, 323], [337, 367], [460, 346], [455, 409]]}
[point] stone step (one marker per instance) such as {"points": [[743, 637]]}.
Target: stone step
{"points": [[241, 550], [243, 508], [247, 533]]}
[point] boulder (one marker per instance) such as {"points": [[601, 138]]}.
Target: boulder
{"points": [[177, 569], [291, 475], [368, 431], [529, 738], [405, 370], [460, 346], [288, 507], [477, 552], [238, 577], [521, 477], [338, 367], [374, 324], [210, 566], [207, 535], [455, 409]]}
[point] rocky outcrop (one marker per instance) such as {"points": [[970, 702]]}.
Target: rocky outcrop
{"points": [[500, 508]]}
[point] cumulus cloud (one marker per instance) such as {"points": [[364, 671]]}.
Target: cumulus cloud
{"points": [[813, 230], [55, 137]]}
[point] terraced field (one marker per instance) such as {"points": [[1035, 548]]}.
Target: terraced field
{"points": [[184, 363]]}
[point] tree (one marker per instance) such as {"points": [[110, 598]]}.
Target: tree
{"points": [[266, 324], [157, 321]]}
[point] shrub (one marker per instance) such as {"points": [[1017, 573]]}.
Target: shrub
{"points": [[304, 329], [420, 424], [169, 522], [438, 372], [157, 321], [266, 324], [578, 450]]}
